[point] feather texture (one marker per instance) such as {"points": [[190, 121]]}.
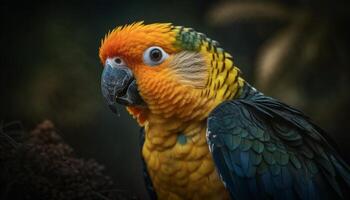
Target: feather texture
{"points": [[147, 178], [190, 68], [264, 149]]}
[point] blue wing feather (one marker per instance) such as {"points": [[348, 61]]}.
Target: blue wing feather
{"points": [[264, 149]]}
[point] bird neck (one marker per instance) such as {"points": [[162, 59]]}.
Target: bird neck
{"points": [[170, 102], [173, 102], [185, 113]]}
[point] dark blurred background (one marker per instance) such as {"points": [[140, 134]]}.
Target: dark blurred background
{"points": [[296, 51]]}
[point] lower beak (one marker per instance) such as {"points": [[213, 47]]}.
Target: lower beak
{"points": [[119, 86]]}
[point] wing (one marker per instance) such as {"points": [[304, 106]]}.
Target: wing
{"points": [[264, 149], [148, 181]]}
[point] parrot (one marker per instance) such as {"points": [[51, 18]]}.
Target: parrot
{"points": [[206, 133]]}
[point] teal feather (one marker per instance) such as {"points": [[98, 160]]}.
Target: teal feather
{"points": [[265, 149]]}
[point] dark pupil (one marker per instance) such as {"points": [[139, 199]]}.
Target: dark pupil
{"points": [[118, 60], [156, 55]]}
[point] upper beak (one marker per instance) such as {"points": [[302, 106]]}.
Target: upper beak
{"points": [[119, 86]]}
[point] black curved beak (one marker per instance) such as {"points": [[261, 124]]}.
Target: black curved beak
{"points": [[119, 86]]}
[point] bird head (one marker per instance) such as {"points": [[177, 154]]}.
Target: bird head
{"points": [[165, 70]]}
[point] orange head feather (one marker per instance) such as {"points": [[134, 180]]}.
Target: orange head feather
{"points": [[181, 86], [130, 41]]}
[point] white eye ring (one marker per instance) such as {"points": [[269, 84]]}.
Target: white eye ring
{"points": [[116, 62], [154, 56]]}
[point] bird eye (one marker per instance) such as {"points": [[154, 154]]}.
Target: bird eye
{"points": [[116, 61], [154, 56]]}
